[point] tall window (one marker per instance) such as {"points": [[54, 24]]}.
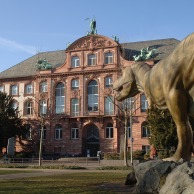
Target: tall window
{"points": [[74, 107], [109, 131], [58, 132], [27, 132], [130, 103], [29, 89], [108, 82], [43, 107], [75, 84], [60, 98], [44, 131], [14, 90], [15, 105], [108, 58], [74, 132], [91, 60], [93, 96], [144, 103], [145, 130], [29, 108], [109, 106], [1, 88], [75, 61], [146, 148], [43, 86]]}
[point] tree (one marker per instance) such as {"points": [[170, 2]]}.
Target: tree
{"points": [[162, 129], [11, 125]]}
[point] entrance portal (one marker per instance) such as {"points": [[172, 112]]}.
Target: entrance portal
{"points": [[92, 140]]}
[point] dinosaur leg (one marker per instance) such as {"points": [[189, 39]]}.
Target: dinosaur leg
{"points": [[178, 107]]}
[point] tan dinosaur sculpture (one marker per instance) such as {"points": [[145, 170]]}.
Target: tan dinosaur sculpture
{"points": [[169, 84]]}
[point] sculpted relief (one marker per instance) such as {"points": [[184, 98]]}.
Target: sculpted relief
{"points": [[168, 85]]}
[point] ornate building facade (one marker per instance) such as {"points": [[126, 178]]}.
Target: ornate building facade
{"points": [[70, 93]]}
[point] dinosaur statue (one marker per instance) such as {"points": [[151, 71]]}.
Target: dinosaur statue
{"points": [[168, 85]]}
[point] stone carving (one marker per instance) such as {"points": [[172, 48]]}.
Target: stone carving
{"points": [[43, 65], [92, 42], [169, 84], [146, 53]]}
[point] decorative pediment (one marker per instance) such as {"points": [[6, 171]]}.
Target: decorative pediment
{"points": [[92, 42]]}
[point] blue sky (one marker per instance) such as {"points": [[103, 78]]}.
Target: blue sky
{"points": [[28, 27]]}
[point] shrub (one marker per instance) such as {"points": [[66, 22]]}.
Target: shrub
{"points": [[111, 156]]}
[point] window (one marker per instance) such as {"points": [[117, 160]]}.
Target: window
{"points": [[44, 132], [75, 84], [29, 108], [109, 106], [15, 105], [1, 88], [27, 132], [58, 132], [14, 90], [74, 132], [130, 103], [75, 61], [60, 98], [91, 60], [109, 131], [43, 86], [43, 107], [108, 82], [145, 130], [29, 89], [93, 96], [108, 58], [146, 148], [144, 103], [74, 107]]}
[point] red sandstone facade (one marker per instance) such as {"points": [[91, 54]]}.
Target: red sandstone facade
{"points": [[79, 127]]}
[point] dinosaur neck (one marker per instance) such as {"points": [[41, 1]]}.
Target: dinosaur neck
{"points": [[140, 71]]}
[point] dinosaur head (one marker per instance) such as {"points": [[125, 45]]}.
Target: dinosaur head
{"points": [[125, 86]]}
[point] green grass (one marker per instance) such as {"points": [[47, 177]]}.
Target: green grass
{"points": [[3, 172], [78, 182]]}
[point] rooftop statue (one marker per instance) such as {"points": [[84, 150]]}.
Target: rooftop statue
{"points": [[145, 54], [93, 29], [43, 65], [116, 39], [168, 85]]}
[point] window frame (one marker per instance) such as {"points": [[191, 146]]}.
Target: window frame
{"points": [[75, 84], [43, 107], [108, 82], [92, 60], [43, 86], [75, 107], [75, 61], [108, 59], [60, 99], [12, 90], [145, 131], [74, 133], [58, 132], [109, 131], [108, 105], [143, 103], [28, 108]]}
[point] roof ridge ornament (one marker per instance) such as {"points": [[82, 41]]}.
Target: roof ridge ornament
{"points": [[42, 65]]}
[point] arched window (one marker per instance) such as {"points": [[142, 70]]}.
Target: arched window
{"points": [[93, 96], [109, 106], [58, 132], [74, 131], [28, 89], [145, 130], [108, 58], [75, 61], [109, 130], [75, 84], [60, 98], [74, 107], [91, 60], [14, 90], [108, 82], [43, 86]]}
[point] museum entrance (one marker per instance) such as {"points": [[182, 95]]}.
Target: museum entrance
{"points": [[92, 141]]}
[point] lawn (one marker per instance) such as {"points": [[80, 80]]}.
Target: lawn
{"points": [[2, 172], [79, 182]]}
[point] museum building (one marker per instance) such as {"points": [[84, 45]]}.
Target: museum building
{"points": [[70, 92]]}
